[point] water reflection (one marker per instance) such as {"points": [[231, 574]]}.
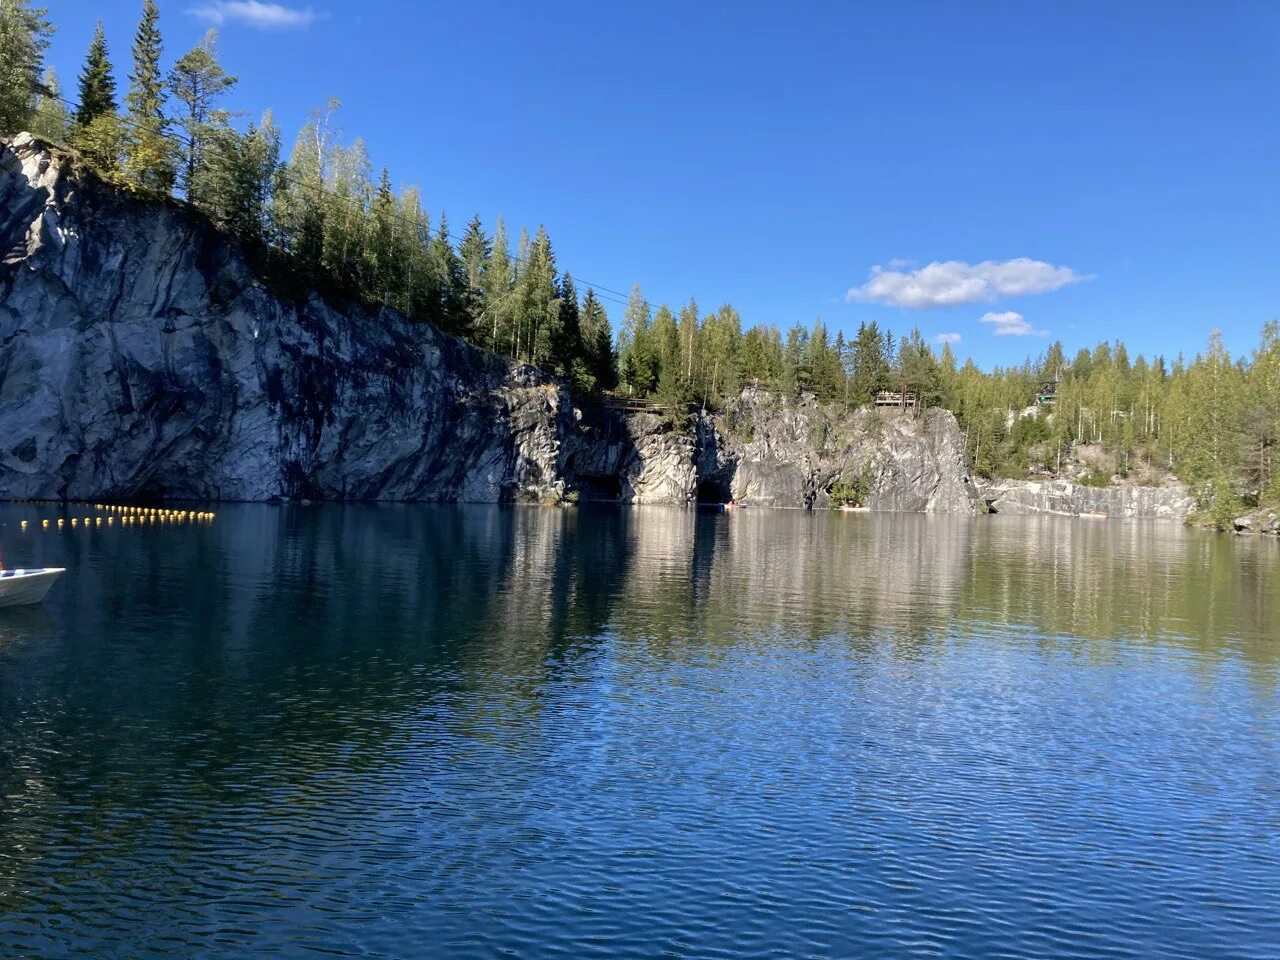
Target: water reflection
{"points": [[518, 727]]}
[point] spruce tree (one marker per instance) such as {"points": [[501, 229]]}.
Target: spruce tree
{"points": [[97, 131], [24, 37], [197, 81], [598, 343], [567, 354], [97, 93], [450, 311], [148, 153], [473, 252]]}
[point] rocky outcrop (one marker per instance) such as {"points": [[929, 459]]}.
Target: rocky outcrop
{"points": [[1265, 520], [141, 356], [1171, 501], [776, 451]]}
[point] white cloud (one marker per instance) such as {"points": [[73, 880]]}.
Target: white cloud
{"points": [[947, 337], [256, 14], [946, 283], [1010, 324]]}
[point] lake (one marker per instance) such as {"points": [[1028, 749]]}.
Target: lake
{"points": [[451, 731]]}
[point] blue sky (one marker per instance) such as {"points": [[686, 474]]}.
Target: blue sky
{"points": [[1122, 156]]}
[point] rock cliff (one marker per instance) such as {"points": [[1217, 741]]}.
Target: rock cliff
{"points": [[1171, 501], [142, 356], [776, 451]]}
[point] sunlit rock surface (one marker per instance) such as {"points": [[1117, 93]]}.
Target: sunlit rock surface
{"points": [[144, 357], [1171, 501]]}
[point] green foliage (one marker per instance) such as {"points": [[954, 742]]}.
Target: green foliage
{"points": [[854, 490], [97, 92], [197, 82], [1219, 503], [1095, 478], [148, 152], [51, 120], [24, 38]]}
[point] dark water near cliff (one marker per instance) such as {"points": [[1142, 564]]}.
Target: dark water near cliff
{"points": [[472, 732]]}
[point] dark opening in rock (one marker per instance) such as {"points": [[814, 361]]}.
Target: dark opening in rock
{"points": [[714, 490], [599, 487]]}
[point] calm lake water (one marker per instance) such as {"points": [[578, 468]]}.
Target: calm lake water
{"points": [[479, 732]]}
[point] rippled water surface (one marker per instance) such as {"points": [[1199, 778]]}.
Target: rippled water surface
{"points": [[480, 732]]}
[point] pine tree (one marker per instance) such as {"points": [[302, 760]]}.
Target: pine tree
{"points": [[24, 37], [197, 81], [148, 153]]}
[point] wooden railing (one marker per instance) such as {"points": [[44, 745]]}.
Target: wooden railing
{"points": [[895, 398]]}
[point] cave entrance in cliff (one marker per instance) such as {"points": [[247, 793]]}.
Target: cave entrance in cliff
{"points": [[714, 490], [599, 487]]}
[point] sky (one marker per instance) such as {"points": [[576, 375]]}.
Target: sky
{"points": [[998, 175]]}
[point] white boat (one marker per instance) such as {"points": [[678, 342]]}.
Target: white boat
{"points": [[21, 587]]}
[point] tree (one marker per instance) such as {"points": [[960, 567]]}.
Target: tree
{"points": [[567, 343], [382, 250], [449, 282], [96, 129], [301, 204], [598, 343], [24, 37], [197, 82], [474, 252], [869, 363], [238, 173], [51, 119], [97, 95], [665, 336], [636, 361], [148, 153], [497, 280]]}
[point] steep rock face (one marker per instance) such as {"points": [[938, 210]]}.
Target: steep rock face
{"points": [[776, 451], [1169, 502], [139, 355], [632, 458]]}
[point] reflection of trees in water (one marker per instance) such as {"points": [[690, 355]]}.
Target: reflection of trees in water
{"points": [[1121, 582], [307, 651]]}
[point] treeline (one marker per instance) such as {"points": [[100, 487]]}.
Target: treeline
{"points": [[1213, 421], [322, 219]]}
